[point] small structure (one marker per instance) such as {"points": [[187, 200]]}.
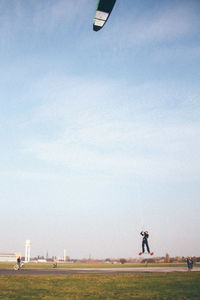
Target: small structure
{"points": [[64, 258], [9, 257], [27, 250]]}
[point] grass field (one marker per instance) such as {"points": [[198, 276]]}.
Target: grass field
{"points": [[177, 286]]}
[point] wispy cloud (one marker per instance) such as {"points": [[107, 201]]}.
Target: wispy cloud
{"points": [[60, 13], [170, 24], [141, 135], [144, 152], [20, 174], [39, 17]]}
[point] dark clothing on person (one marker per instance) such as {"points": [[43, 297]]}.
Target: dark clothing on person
{"points": [[145, 241], [19, 262], [190, 263], [145, 235]]}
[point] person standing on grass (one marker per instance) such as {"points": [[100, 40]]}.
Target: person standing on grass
{"points": [[190, 263], [19, 262]]}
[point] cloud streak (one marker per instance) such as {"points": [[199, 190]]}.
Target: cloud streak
{"points": [[141, 136]]}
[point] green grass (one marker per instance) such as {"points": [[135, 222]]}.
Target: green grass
{"points": [[76, 265], [167, 286]]}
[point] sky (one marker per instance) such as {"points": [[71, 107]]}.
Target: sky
{"points": [[100, 131]]}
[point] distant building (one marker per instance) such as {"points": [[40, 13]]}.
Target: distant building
{"points": [[9, 257], [41, 260]]}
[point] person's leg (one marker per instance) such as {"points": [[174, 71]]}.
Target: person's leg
{"points": [[147, 245], [143, 242]]}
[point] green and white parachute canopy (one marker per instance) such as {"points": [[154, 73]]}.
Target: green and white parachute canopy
{"points": [[103, 11]]}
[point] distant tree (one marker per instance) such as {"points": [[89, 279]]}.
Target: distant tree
{"points": [[122, 260], [67, 258], [148, 261], [194, 259], [167, 258]]}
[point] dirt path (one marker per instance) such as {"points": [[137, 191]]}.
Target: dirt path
{"points": [[88, 271]]}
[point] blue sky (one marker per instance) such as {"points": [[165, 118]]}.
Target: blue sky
{"points": [[100, 130]]}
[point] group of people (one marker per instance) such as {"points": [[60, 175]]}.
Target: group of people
{"points": [[145, 244]]}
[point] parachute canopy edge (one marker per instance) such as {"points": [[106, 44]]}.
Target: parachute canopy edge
{"points": [[104, 8]]}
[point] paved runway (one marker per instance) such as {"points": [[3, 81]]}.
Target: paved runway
{"points": [[95, 271]]}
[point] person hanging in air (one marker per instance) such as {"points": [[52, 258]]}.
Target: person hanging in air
{"points": [[145, 243]]}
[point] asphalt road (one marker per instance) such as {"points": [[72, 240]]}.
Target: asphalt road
{"points": [[89, 271]]}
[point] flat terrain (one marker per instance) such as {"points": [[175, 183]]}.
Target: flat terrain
{"points": [[62, 269], [32, 265], [169, 286], [87, 271]]}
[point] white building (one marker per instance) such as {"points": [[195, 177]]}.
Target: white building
{"points": [[9, 257]]}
